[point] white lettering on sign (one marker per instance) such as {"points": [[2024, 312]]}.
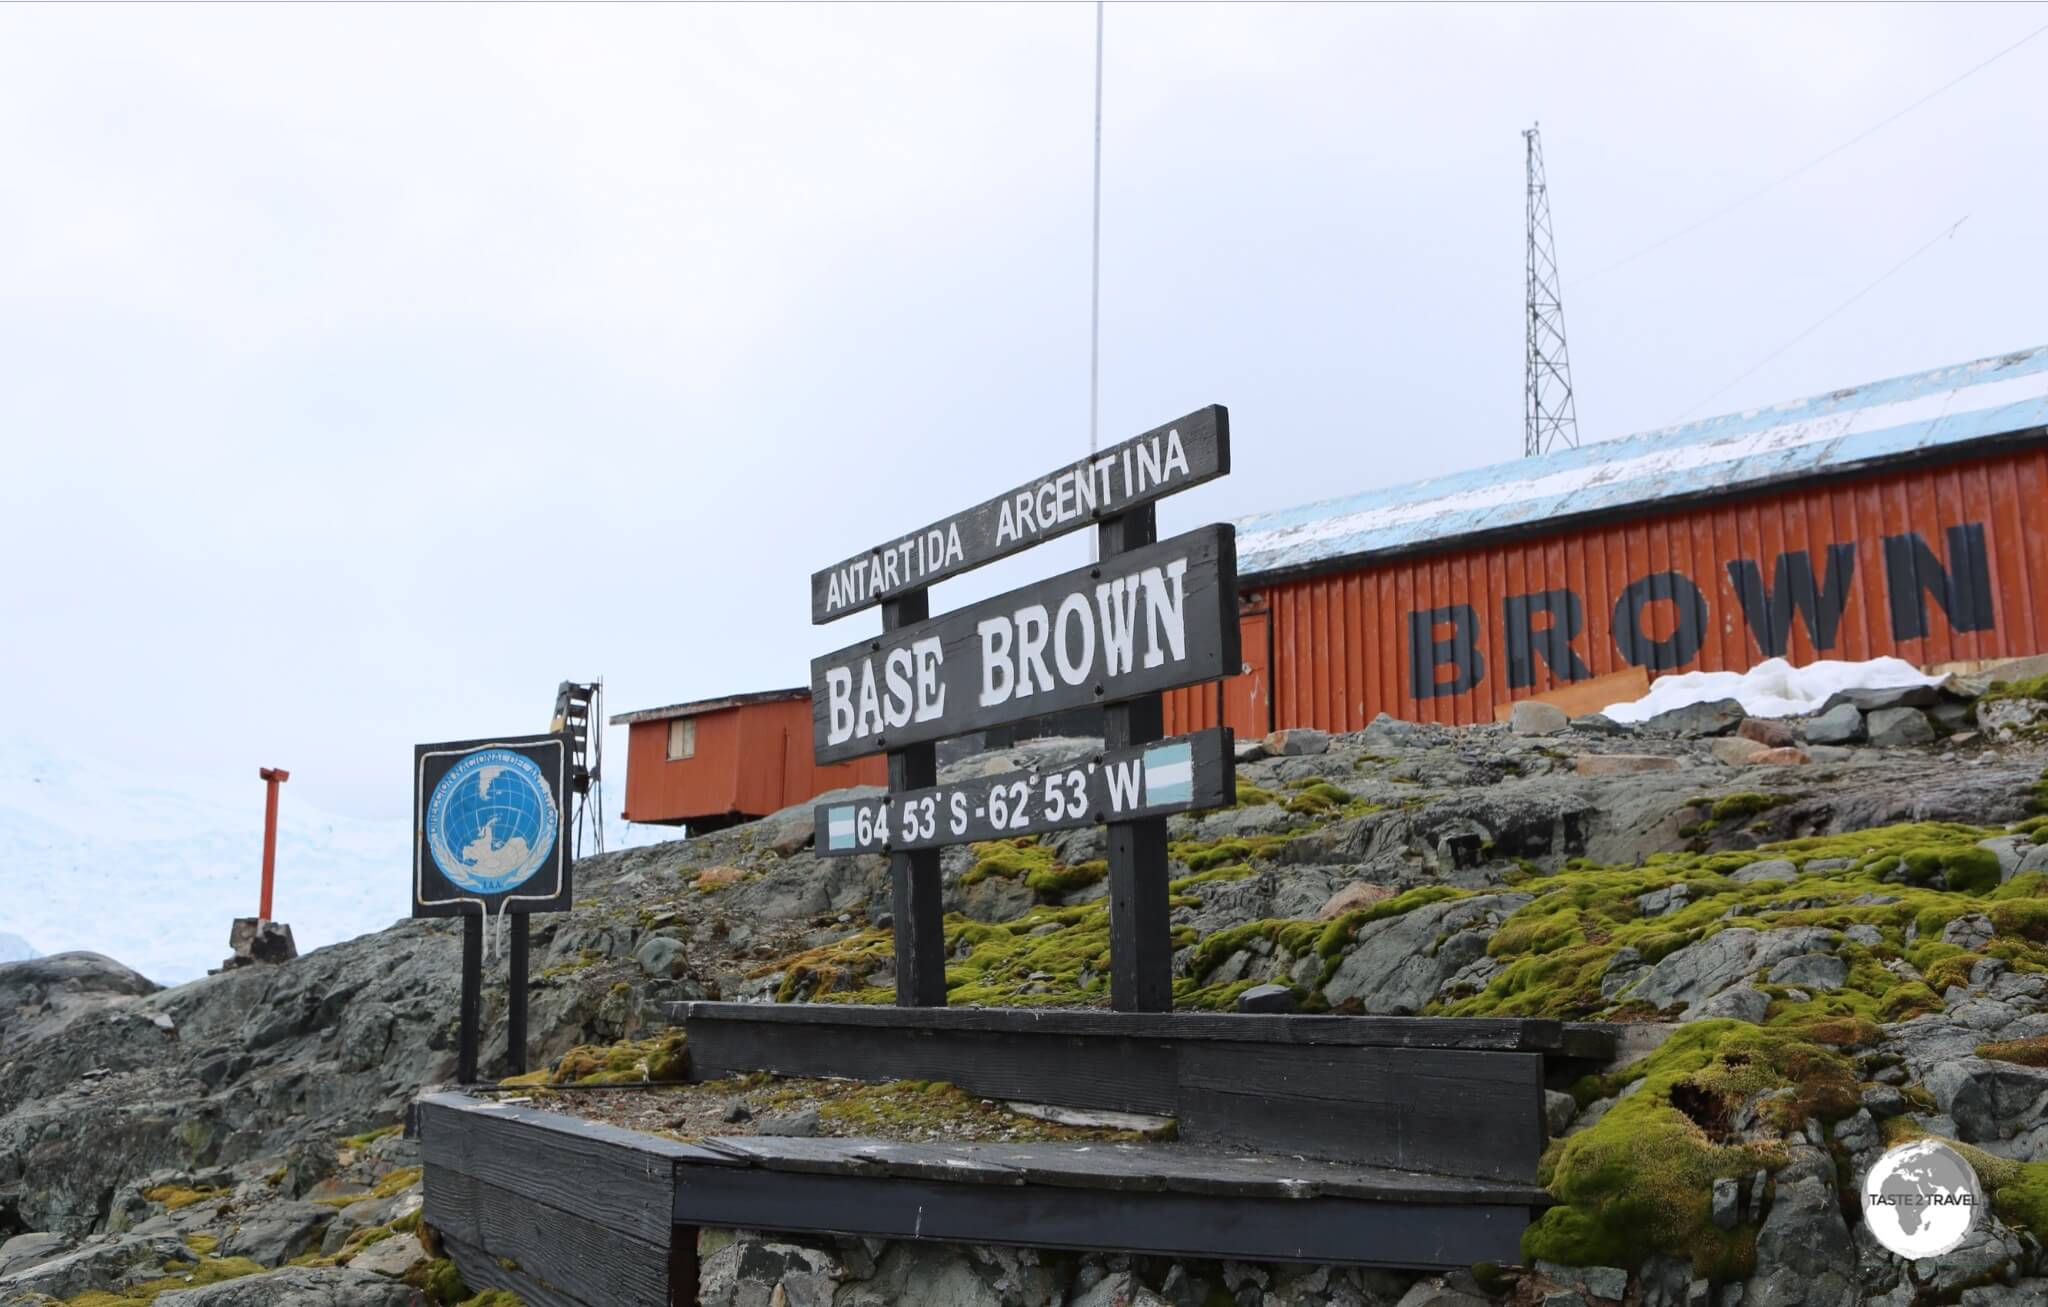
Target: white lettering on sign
{"points": [[1083, 491], [911, 679], [902, 563], [1013, 648]]}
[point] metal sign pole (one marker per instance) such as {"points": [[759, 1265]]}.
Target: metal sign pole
{"points": [[472, 995], [515, 1015], [1140, 926]]}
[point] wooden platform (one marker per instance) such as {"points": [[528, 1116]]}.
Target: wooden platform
{"points": [[1399, 1142], [570, 1213]]}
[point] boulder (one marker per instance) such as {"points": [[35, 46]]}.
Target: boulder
{"points": [[1970, 933], [1599, 723], [2006, 720], [1822, 971], [1803, 1252], [1898, 728], [1266, 998], [1531, 717], [1780, 758], [1398, 964], [277, 1232], [660, 956], [99, 1264], [1558, 1110], [297, 1286], [1842, 724], [1358, 894], [1714, 717], [1742, 1003], [1735, 750], [1769, 732], [1879, 698], [1296, 741], [253, 941], [1700, 970], [1778, 869], [1988, 1100], [1622, 764], [26, 1250]]}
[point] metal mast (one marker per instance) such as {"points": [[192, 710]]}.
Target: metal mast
{"points": [[1550, 419]]}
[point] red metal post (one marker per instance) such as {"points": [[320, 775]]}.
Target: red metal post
{"points": [[271, 777]]}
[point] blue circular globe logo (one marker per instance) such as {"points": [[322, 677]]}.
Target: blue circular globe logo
{"points": [[491, 821]]}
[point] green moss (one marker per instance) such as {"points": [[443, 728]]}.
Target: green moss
{"points": [[205, 1271], [2025, 1052], [203, 1244], [174, 1196], [368, 1137], [2035, 688], [1735, 807], [1250, 795], [1639, 1181], [1015, 859], [658, 1058], [1059, 879]]}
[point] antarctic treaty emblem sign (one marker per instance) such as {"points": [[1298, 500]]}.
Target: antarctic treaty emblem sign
{"points": [[488, 826]]}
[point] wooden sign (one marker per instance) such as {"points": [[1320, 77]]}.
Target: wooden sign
{"points": [[1104, 485], [1155, 618], [1183, 774]]}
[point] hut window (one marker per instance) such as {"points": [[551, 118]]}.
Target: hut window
{"points": [[682, 738]]}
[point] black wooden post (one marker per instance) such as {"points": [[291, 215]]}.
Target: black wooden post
{"points": [[1140, 931], [472, 995], [515, 1010], [915, 895]]}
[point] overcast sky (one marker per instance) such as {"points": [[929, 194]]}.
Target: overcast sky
{"points": [[368, 370]]}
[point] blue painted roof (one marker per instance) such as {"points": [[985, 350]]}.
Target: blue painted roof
{"points": [[1842, 429]]}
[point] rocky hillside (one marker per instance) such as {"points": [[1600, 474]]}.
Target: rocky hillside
{"points": [[1818, 947]]}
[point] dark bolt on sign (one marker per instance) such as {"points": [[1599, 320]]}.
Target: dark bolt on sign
{"points": [[1153, 619], [488, 818]]}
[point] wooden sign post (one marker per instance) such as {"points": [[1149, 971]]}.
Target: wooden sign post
{"points": [[1151, 616]]}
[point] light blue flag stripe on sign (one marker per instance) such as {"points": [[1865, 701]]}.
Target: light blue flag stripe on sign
{"points": [[1169, 774], [839, 828]]}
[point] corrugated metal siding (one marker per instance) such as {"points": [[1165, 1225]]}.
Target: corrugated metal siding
{"points": [[1341, 640], [1897, 420], [754, 759]]}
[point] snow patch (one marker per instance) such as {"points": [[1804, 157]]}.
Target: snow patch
{"points": [[13, 948], [1772, 688]]}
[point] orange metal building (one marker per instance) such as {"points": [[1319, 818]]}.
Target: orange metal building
{"points": [[1895, 518], [717, 762]]}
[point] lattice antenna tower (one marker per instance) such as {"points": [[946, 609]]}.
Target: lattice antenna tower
{"points": [[1550, 418], [579, 711]]}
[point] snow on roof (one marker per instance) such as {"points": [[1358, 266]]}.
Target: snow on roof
{"points": [[1843, 429]]}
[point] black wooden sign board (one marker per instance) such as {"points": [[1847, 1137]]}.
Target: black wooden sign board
{"points": [[489, 839], [1102, 486], [1155, 618], [1184, 774], [1151, 616]]}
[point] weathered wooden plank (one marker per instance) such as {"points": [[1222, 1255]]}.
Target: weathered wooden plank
{"points": [[1137, 471], [590, 1263], [1123, 1074], [614, 1177], [1153, 619], [1335, 1230], [480, 1270], [1184, 774], [1503, 1033], [916, 896], [1444, 1111]]}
